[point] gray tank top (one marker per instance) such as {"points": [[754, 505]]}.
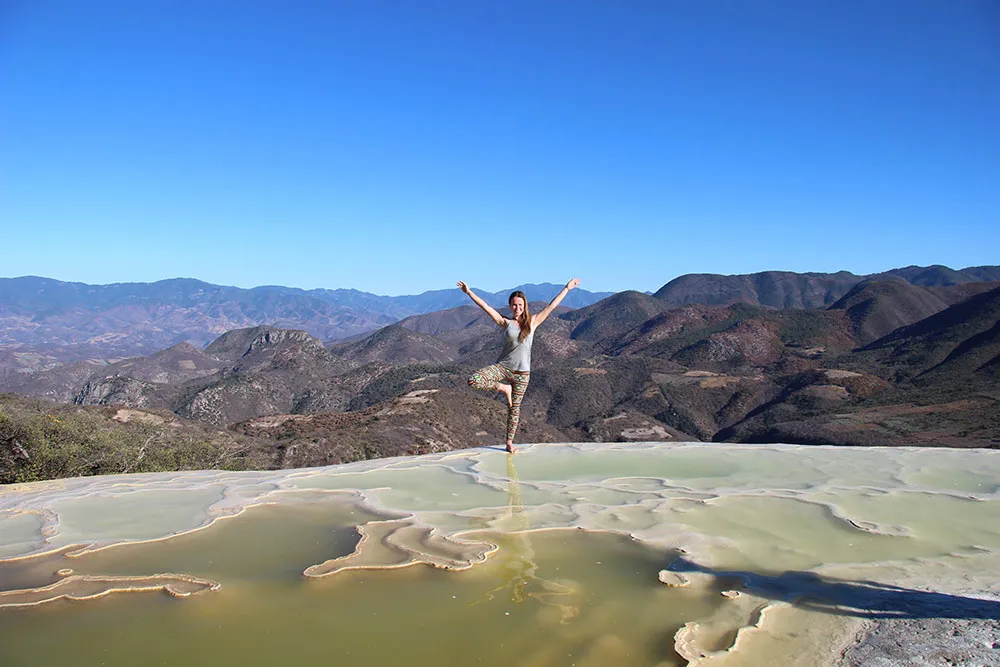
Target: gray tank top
{"points": [[516, 354]]}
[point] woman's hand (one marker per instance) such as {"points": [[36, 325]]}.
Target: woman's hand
{"points": [[487, 308], [543, 315]]}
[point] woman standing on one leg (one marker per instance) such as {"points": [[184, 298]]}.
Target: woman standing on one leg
{"points": [[512, 371]]}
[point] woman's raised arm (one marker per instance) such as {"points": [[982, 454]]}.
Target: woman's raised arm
{"points": [[487, 308], [544, 313]]}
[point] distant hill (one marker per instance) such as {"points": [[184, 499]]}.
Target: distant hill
{"points": [[958, 344], [942, 276], [933, 382], [776, 289], [878, 307], [785, 289], [396, 344], [614, 316]]}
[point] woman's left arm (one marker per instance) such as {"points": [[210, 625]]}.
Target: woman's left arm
{"points": [[544, 313]]}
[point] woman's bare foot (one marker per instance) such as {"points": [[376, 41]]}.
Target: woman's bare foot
{"points": [[506, 390], [510, 448]]}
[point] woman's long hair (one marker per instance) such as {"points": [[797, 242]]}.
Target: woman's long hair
{"points": [[524, 322]]}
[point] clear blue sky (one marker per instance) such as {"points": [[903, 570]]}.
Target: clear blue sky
{"points": [[396, 147]]}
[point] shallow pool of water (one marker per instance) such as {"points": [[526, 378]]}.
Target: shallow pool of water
{"points": [[561, 555]]}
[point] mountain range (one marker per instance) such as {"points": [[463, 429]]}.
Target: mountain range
{"points": [[907, 357], [69, 321]]}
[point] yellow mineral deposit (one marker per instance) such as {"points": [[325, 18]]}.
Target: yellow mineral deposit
{"points": [[646, 554]]}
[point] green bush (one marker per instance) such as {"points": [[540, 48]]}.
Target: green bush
{"points": [[40, 441]]}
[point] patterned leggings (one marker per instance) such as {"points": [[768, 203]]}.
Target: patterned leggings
{"points": [[490, 377]]}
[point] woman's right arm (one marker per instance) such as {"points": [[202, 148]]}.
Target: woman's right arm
{"points": [[487, 308]]}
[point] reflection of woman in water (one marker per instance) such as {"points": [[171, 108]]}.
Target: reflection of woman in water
{"points": [[518, 557], [512, 371]]}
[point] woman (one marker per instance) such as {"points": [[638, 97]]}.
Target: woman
{"points": [[512, 371]]}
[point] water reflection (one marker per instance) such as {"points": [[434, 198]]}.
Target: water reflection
{"points": [[519, 572]]}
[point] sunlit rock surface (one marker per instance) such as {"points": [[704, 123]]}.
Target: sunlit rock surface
{"points": [[587, 555]]}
